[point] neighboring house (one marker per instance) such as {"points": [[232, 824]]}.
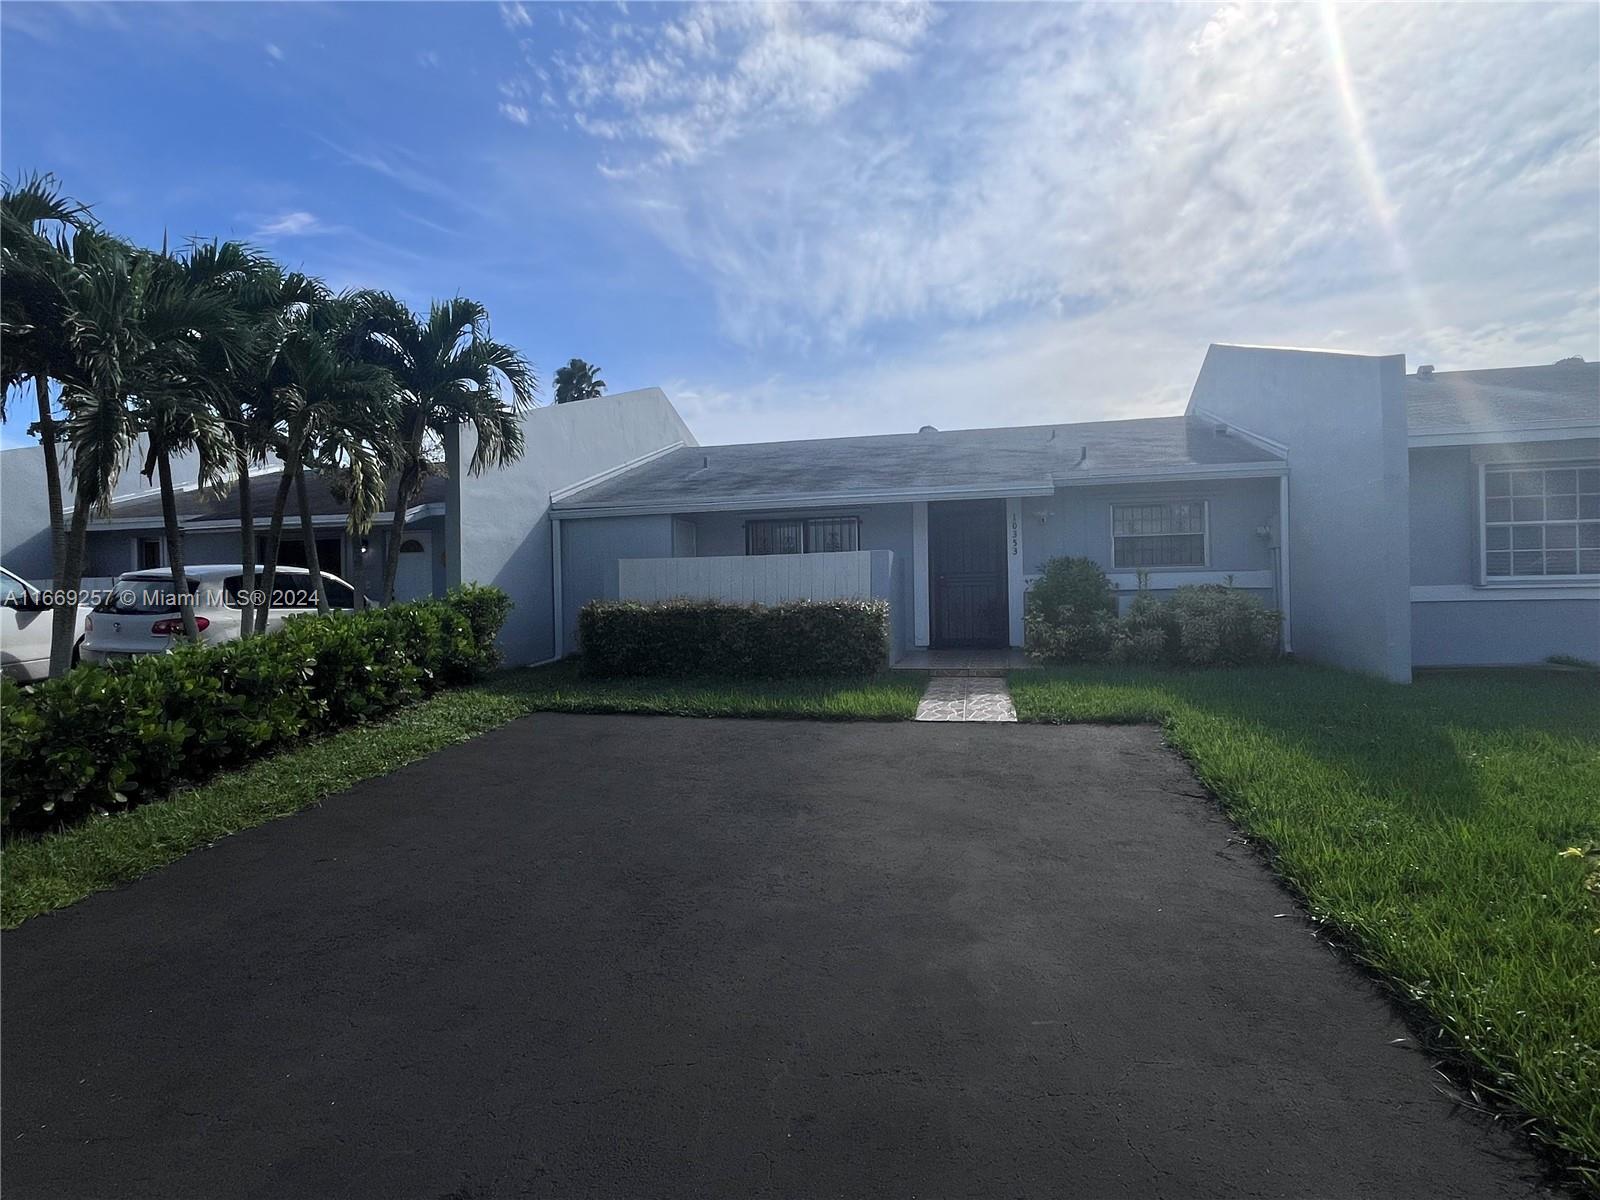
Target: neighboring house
{"points": [[1390, 517], [25, 508], [132, 537]]}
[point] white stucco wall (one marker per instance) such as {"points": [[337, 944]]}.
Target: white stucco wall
{"points": [[498, 523], [1342, 423]]}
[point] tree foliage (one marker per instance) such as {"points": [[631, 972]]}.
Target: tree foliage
{"points": [[217, 353], [578, 380]]}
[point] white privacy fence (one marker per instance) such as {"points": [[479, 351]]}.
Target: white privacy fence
{"points": [[752, 579]]}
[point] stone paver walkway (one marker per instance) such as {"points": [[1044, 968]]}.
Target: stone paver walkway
{"points": [[966, 698]]}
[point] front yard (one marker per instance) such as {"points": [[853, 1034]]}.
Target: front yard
{"points": [[1445, 832], [1432, 826]]}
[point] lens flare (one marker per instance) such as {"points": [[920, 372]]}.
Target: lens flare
{"points": [[1366, 164]]}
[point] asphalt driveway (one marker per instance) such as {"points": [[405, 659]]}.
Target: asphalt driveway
{"points": [[628, 957]]}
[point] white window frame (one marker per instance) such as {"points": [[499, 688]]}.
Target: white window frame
{"points": [[1482, 533], [1137, 502]]}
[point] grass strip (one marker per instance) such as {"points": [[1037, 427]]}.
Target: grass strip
{"points": [[39, 874]]}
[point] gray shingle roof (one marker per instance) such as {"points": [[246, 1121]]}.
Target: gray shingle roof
{"points": [[1503, 398], [1016, 459], [203, 506]]}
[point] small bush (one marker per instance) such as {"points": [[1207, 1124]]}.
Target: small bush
{"points": [[1071, 613], [1145, 635], [103, 738], [705, 637], [1218, 626], [1071, 617]]}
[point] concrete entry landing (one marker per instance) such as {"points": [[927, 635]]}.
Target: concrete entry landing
{"points": [[979, 698], [965, 662]]}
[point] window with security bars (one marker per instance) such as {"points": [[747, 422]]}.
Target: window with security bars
{"points": [[1159, 535], [1541, 521], [815, 536]]}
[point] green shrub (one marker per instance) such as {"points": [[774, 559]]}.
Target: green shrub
{"points": [[103, 738], [1218, 626], [1071, 613], [1145, 634], [706, 637], [1071, 617]]}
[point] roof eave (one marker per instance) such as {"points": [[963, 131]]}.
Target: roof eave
{"points": [[990, 491], [1467, 435]]}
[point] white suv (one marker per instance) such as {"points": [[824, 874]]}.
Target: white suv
{"points": [[142, 616], [25, 622]]}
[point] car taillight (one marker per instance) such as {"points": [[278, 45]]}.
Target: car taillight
{"points": [[174, 625]]}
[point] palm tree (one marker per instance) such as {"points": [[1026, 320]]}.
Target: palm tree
{"points": [[194, 340], [578, 380], [450, 373], [270, 300], [33, 344], [101, 324], [335, 415]]}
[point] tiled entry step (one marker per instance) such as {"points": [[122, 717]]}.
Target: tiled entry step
{"points": [[957, 698]]}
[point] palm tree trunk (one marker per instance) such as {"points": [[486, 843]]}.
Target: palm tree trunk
{"points": [[397, 532], [69, 579], [63, 618], [247, 551], [309, 533], [402, 499], [169, 517], [269, 568]]}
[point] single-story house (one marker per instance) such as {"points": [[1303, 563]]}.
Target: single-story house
{"points": [[1396, 520], [132, 536], [1437, 518]]}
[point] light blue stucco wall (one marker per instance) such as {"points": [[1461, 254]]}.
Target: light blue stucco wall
{"points": [[498, 527], [1504, 632], [1076, 521], [590, 551], [1342, 421], [1498, 625], [1444, 512]]}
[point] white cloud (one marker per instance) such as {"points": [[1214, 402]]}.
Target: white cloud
{"points": [[274, 52], [716, 72], [1064, 204], [290, 224], [514, 112], [515, 17]]}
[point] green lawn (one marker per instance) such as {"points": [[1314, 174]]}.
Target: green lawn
{"points": [[1428, 824], [41, 874]]}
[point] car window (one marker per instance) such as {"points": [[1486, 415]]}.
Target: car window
{"points": [[340, 595], [293, 591], [134, 594], [12, 590]]}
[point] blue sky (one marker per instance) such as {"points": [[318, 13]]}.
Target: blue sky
{"points": [[818, 220]]}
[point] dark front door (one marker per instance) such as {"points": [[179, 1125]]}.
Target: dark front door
{"points": [[967, 562]]}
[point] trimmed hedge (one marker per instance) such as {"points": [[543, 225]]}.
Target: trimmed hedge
{"points": [[1071, 616], [708, 637], [101, 739]]}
